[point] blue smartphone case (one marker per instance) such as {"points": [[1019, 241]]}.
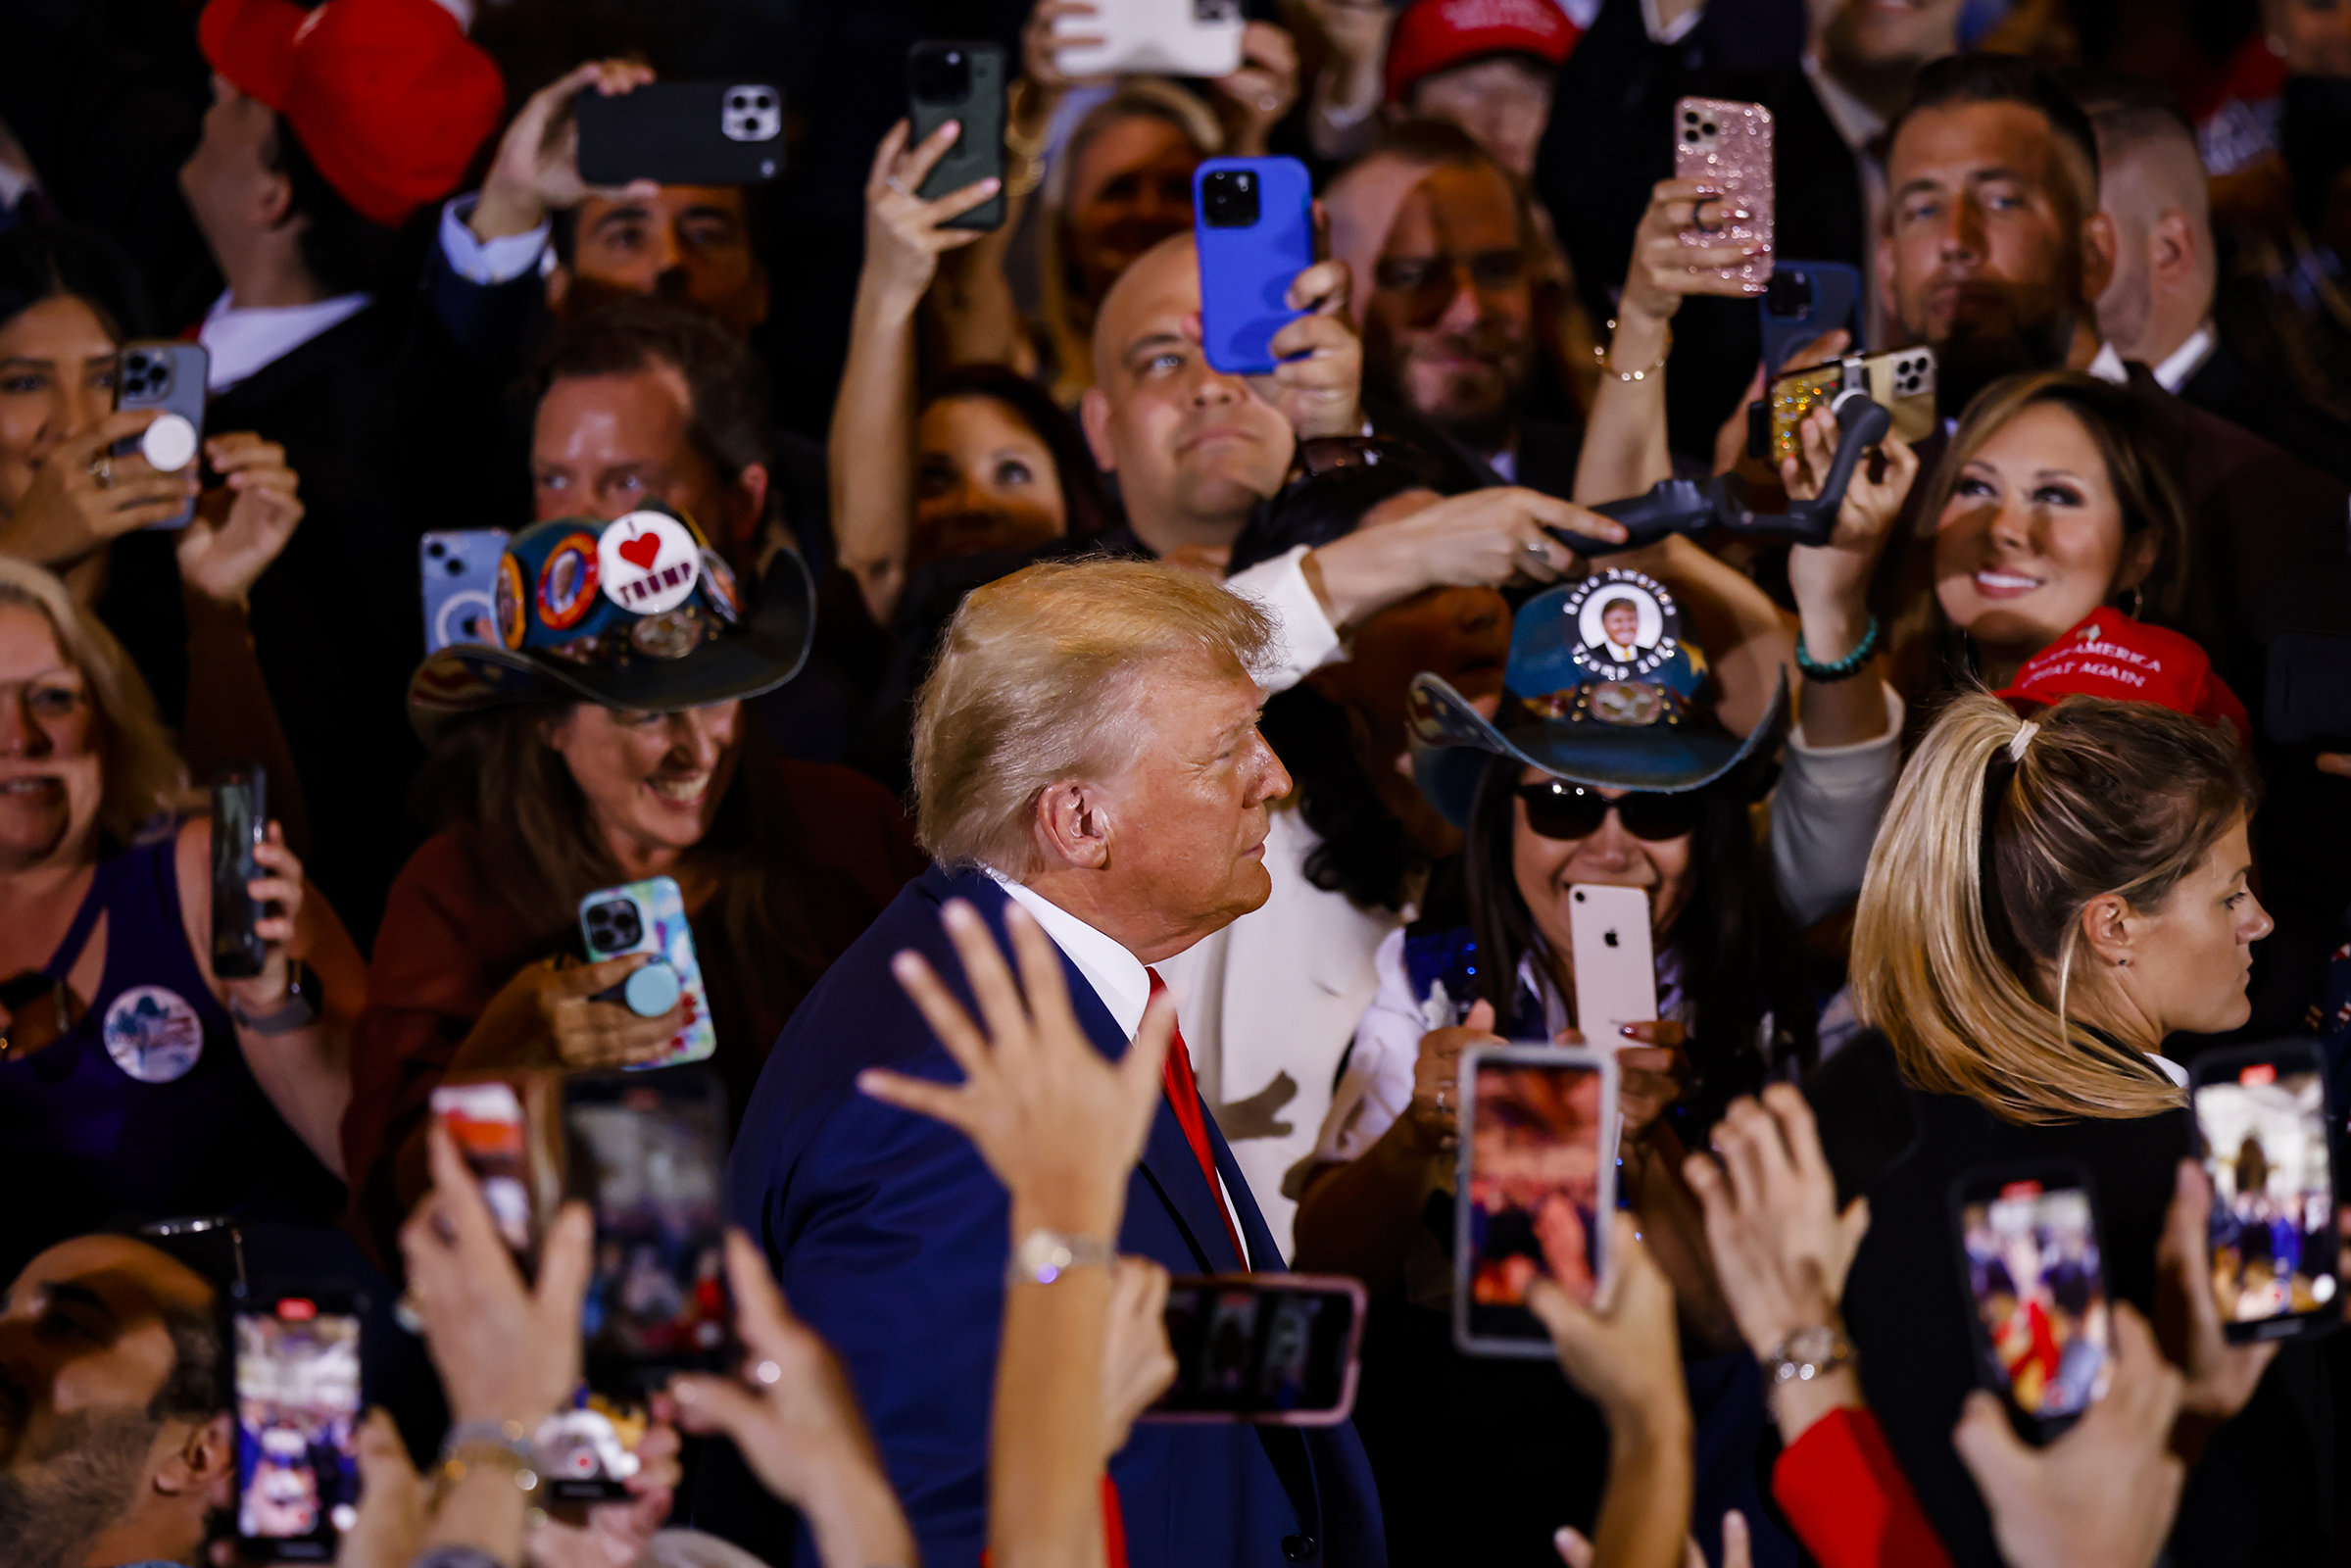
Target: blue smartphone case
{"points": [[663, 933], [1835, 303], [1245, 273], [458, 572]]}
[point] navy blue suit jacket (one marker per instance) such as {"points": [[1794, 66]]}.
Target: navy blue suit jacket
{"points": [[890, 1236]]}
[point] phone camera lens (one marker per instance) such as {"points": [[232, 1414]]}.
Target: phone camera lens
{"points": [[436, 549], [455, 568], [1708, 128], [1690, 136], [738, 101], [953, 59], [1689, 117]]}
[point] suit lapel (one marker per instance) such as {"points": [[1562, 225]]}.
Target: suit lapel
{"points": [[1167, 1159]]}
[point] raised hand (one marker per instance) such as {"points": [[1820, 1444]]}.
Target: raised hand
{"points": [[1318, 381], [536, 169], [904, 236], [550, 1017], [2221, 1377], [82, 495], [1664, 269], [1138, 1362], [243, 525], [1254, 98]]}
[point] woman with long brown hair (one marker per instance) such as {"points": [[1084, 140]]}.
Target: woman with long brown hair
{"points": [[598, 746]]}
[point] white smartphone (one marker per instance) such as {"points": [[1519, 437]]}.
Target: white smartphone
{"points": [[1616, 974], [1160, 37]]}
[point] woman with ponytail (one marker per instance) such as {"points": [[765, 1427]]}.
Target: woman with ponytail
{"points": [[2052, 902]]}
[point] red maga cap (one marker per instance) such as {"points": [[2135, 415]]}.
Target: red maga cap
{"points": [[388, 97], [2110, 655], [1433, 35]]}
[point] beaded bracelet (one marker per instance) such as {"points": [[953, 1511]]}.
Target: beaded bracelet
{"points": [[1845, 668], [1600, 353]]}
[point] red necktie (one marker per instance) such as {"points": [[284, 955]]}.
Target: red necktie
{"points": [[1183, 1098]]}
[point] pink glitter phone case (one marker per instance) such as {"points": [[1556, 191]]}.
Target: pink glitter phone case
{"points": [[1727, 147]]}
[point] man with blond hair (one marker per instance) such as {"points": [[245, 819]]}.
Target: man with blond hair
{"points": [[1086, 748]]}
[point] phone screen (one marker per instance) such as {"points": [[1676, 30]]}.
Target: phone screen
{"points": [[238, 822], [1536, 1187], [2039, 1291], [298, 1413], [2262, 1128], [487, 1122], [1277, 1349]]}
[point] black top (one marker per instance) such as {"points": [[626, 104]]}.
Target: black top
{"points": [[2259, 1493]]}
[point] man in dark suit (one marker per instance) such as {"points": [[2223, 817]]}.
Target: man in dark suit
{"points": [[1087, 746]]}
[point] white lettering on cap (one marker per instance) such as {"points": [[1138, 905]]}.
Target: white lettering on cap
{"points": [[168, 443], [647, 562]]}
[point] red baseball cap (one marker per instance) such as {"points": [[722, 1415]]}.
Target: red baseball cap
{"points": [[1433, 35], [2110, 655], [388, 97]]}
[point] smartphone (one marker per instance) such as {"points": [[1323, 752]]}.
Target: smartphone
{"points": [[649, 1156], [1154, 37], [1254, 219], [2029, 1261], [458, 573], [168, 376], [1728, 147], [1271, 1350], [682, 134], [650, 916], [507, 1129], [1537, 1188], [962, 83], [1802, 300], [1901, 379], [2261, 1129], [297, 1381], [1616, 978], [2309, 694], [240, 821]]}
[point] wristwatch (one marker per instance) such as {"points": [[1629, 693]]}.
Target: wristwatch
{"points": [[299, 1011], [1043, 1257], [1806, 1354]]}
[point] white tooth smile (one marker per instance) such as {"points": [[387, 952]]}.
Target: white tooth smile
{"points": [[682, 791], [2002, 579], [26, 786]]}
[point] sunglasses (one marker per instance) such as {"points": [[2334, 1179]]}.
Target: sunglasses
{"points": [[1557, 810]]}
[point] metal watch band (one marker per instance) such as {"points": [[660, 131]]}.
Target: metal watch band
{"points": [[1043, 1257], [1805, 1354], [299, 1011]]}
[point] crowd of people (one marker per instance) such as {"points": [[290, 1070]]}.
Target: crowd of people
{"points": [[1064, 811]]}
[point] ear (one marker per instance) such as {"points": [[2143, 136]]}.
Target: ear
{"points": [[2099, 246], [1094, 412], [558, 286], [746, 505], [2109, 932], [273, 200], [2171, 249], [1072, 826], [200, 1463], [2138, 559]]}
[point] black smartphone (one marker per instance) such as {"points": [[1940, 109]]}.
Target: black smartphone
{"points": [[240, 820], [1273, 1350], [648, 1155], [296, 1351], [170, 376], [1536, 1187], [2260, 1128], [1804, 300], [962, 83], [2030, 1264], [2308, 698], [682, 134]]}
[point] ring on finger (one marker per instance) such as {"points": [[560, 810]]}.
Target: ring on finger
{"points": [[898, 185], [1538, 550], [102, 469]]}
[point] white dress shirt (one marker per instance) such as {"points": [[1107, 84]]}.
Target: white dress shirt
{"points": [[1117, 977], [2182, 362], [243, 341], [1304, 640], [489, 261], [2109, 366]]}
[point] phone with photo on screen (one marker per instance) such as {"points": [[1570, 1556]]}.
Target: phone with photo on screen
{"points": [[240, 825], [649, 1156], [2261, 1130], [1273, 1350], [2033, 1269], [295, 1352], [505, 1127], [1616, 975], [1536, 1190]]}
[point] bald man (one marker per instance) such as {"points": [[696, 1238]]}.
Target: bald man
{"points": [[116, 1440], [2158, 307]]}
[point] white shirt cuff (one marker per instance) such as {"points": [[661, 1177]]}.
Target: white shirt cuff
{"points": [[1304, 640], [490, 262]]}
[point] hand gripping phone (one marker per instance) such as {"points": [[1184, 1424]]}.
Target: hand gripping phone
{"points": [[1616, 977], [1253, 220], [508, 1129], [682, 134], [2032, 1264], [1154, 37], [296, 1355], [2261, 1129], [167, 375], [1537, 1188], [1804, 300], [458, 574], [650, 916], [649, 1156], [240, 822], [1899, 380], [1273, 1350], [963, 82], [1728, 147]]}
